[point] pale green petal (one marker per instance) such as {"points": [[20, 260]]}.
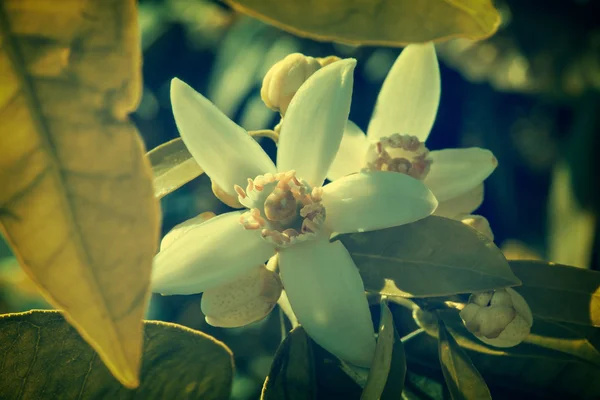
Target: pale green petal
{"points": [[327, 295], [455, 172], [224, 150], [208, 255], [314, 124], [368, 201], [461, 205], [410, 95], [351, 155]]}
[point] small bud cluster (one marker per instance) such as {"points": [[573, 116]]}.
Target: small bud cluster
{"points": [[500, 318]]}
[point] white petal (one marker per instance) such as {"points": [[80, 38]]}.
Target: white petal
{"points": [[455, 172], [461, 205], [409, 98], [183, 227], [248, 299], [375, 200], [208, 255], [314, 124], [480, 224], [350, 157], [327, 295], [224, 150]]}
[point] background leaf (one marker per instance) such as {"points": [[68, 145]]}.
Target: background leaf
{"points": [[41, 356], [559, 292], [173, 166], [388, 368], [548, 339], [525, 370], [76, 203], [385, 23], [432, 257], [292, 373], [463, 379]]}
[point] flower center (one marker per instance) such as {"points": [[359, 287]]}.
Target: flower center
{"points": [[284, 209], [399, 153]]}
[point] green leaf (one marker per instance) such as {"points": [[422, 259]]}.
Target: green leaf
{"points": [[510, 373], [41, 356], [333, 381], [76, 201], [548, 340], [382, 23], [560, 292], [432, 257], [462, 378], [292, 374], [388, 368], [173, 166]]}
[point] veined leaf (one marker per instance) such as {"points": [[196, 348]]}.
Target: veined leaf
{"points": [[173, 166], [292, 374], [463, 379], [432, 257], [548, 339], [388, 368], [522, 369], [41, 356], [76, 202], [333, 377], [382, 23], [559, 292]]}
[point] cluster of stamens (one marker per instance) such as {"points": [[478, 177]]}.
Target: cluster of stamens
{"points": [[284, 209], [400, 153]]}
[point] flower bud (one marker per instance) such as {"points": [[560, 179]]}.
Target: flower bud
{"points": [[500, 318], [248, 299], [480, 224], [285, 78]]}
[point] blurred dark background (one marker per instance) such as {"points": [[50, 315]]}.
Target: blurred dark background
{"points": [[530, 94]]}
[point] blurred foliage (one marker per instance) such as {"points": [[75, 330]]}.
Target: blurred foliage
{"points": [[44, 357], [76, 203], [384, 23]]}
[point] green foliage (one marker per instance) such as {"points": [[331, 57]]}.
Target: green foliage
{"points": [[41, 356], [386, 22], [388, 369], [463, 379], [292, 374], [76, 202], [432, 257], [172, 166], [559, 292]]}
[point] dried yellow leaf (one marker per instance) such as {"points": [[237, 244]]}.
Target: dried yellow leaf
{"points": [[76, 199], [383, 22]]}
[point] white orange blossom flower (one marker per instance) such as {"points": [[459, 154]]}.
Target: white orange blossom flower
{"points": [[289, 211]]}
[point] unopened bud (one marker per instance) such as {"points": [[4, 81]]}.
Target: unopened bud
{"points": [[480, 224], [285, 78], [248, 299], [226, 198], [500, 318], [325, 61]]}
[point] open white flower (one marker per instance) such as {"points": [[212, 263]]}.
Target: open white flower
{"points": [[289, 212], [395, 141]]}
